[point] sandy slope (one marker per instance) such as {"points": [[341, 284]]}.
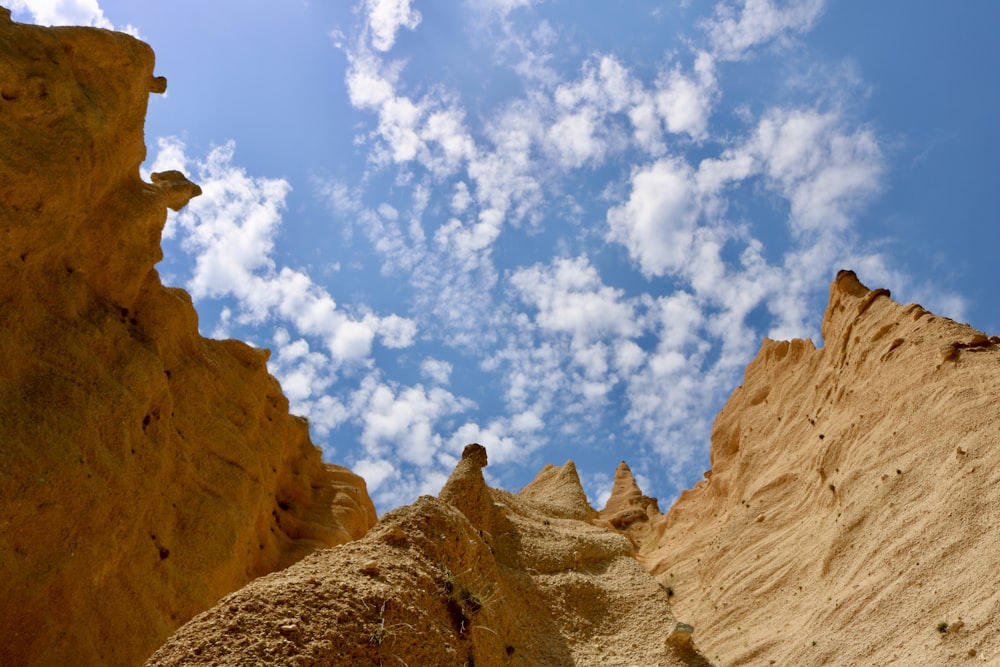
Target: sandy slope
{"points": [[853, 504], [474, 577]]}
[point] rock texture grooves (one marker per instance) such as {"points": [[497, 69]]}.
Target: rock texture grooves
{"points": [[144, 471], [476, 576], [850, 516]]}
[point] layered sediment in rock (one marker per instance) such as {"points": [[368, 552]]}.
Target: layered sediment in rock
{"points": [[850, 516], [144, 470], [475, 576]]}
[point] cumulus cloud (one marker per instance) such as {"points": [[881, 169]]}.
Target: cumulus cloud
{"points": [[502, 447], [568, 340], [570, 298], [402, 421], [66, 12], [478, 197], [230, 232], [733, 32], [63, 12], [824, 170], [685, 100], [658, 220], [386, 17], [437, 371]]}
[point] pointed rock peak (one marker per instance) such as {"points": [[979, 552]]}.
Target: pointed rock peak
{"points": [[559, 488], [847, 282], [624, 490], [476, 455], [849, 299], [628, 509], [467, 478], [466, 488]]}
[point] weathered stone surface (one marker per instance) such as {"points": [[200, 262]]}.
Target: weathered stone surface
{"points": [[475, 576], [144, 470], [852, 501], [629, 510]]}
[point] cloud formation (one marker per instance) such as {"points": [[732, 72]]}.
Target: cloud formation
{"points": [[587, 248], [63, 12]]}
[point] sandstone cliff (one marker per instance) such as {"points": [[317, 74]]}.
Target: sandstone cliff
{"points": [[850, 516], [144, 470], [476, 576]]}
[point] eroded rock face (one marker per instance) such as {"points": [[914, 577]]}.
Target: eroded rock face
{"points": [[630, 511], [144, 470], [851, 506], [475, 576]]}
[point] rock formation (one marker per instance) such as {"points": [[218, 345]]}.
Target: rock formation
{"points": [[850, 516], [144, 470], [476, 576], [628, 510]]}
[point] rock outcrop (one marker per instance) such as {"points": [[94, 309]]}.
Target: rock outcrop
{"points": [[850, 516], [629, 510], [475, 576], [144, 470]]}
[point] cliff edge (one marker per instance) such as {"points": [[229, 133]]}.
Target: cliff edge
{"points": [[850, 515], [145, 471]]}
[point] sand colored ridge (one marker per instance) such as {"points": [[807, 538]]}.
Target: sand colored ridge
{"points": [[852, 513], [850, 516], [476, 576], [144, 470]]}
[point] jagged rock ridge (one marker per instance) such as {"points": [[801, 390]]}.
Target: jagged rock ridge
{"points": [[144, 470], [476, 576], [850, 513]]}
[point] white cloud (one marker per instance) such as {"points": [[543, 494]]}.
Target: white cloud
{"points": [[63, 12], [437, 371], [557, 336], [461, 199], [571, 299], [396, 332], [402, 421], [685, 102], [230, 232], [502, 447], [825, 171], [386, 17], [501, 7], [526, 422], [598, 487], [574, 141], [376, 472], [734, 33], [657, 222]]}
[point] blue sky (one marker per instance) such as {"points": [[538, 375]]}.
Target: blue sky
{"points": [[560, 229]]}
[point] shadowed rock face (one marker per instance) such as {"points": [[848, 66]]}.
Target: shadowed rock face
{"points": [[475, 576], [144, 470], [852, 502]]}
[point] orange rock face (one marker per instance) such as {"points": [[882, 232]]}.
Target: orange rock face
{"points": [[850, 514], [145, 471]]}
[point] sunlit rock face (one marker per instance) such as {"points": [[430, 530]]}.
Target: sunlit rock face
{"points": [[476, 576], [144, 470], [850, 514]]}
